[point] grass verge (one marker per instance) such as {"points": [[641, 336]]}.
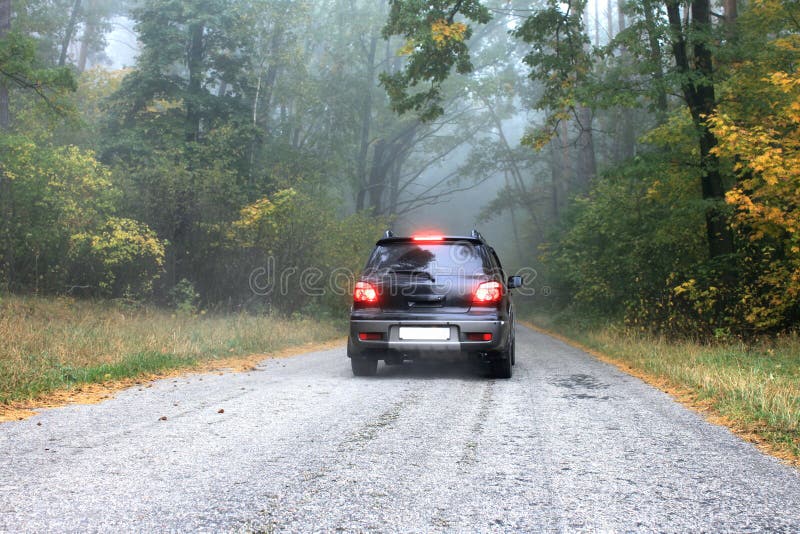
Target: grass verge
{"points": [[55, 344], [753, 389]]}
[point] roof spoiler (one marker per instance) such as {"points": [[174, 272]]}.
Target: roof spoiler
{"points": [[477, 235]]}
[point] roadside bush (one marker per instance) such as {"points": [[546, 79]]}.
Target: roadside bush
{"points": [[62, 232], [184, 298], [635, 249], [122, 257], [290, 246]]}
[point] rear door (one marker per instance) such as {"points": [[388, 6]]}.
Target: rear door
{"points": [[422, 277]]}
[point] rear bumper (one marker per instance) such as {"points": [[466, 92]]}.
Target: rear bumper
{"points": [[391, 344]]}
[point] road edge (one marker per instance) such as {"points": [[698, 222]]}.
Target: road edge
{"points": [[101, 392], [682, 395]]}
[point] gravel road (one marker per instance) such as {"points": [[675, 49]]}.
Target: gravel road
{"points": [[568, 444]]}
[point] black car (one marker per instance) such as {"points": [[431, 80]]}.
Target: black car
{"points": [[432, 297]]}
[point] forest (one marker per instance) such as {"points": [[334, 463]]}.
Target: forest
{"points": [[643, 156]]}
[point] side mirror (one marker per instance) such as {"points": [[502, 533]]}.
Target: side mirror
{"points": [[514, 281]]}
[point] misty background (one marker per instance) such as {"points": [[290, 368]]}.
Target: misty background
{"points": [[160, 151]]}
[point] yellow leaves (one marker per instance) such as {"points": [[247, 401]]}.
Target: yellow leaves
{"points": [[789, 43], [763, 148], [689, 285], [765, 152], [253, 213], [443, 31], [261, 221], [163, 105], [654, 190], [408, 48]]}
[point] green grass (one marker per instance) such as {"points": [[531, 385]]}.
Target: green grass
{"points": [[755, 386], [54, 343]]}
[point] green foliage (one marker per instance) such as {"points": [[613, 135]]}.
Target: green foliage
{"points": [[63, 232], [293, 236], [20, 65], [620, 244], [436, 44], [121, 257], [559, 59], [634, 247], [184, 298]]}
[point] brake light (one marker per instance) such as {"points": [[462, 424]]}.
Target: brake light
{"points": [[488, 293], [479, 336], [370, 336], [364, 293], [427, 238]]}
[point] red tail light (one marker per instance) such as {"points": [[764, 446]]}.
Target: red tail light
{"points": [[479, 336], [488, 293], [364, 293], [370, 336], [427, 238]]}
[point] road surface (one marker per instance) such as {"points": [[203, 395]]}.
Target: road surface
{"points": [[569, 443]]}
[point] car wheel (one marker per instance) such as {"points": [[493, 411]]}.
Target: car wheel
{"points": [[501, 365], [501, 368], [364, 366]]}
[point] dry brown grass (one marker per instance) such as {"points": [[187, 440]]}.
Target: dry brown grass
{"points": [[55, 343]]}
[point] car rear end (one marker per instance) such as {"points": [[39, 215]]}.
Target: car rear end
{"points": [[430, 297]]}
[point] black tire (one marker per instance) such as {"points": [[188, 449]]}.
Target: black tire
{"points": [[364, 366], [501, 368], [513, 350], [501, 365]]}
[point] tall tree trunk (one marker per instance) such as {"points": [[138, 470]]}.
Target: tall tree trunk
{"points": [[366, 125], [698, 90], [514, 227], [394, 187], [5, 26], [83, 53], [69, 32], [656, 58], [566, 161], [627, 138], [555, 181], [272, 74], [377, 175], [7, 264], [401, 147], [731, 14], [587, 163], [194, 62], [89, 32], [596, 23]]}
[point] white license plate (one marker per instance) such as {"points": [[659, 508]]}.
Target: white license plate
{"points": [[424, 333]]}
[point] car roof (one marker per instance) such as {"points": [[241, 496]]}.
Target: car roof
{"points": [[451, 238]]}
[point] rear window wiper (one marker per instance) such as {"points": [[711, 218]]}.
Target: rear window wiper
{"points": [[412, 272]]}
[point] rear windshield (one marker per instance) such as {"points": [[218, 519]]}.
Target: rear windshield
{"points": [[434, 258]]}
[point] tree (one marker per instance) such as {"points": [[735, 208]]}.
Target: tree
{"points": [[5, 26], [559, 59], [697, 84]]}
